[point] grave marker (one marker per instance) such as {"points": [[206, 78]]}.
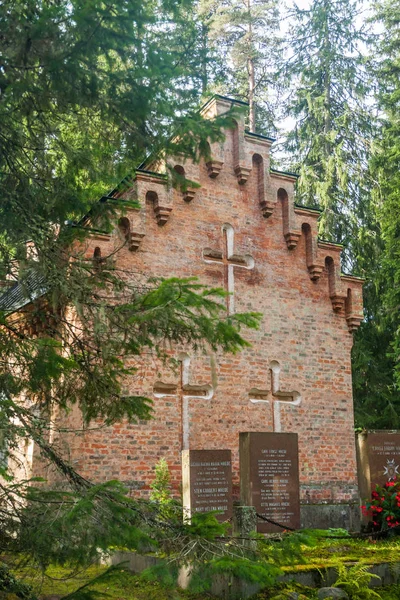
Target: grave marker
{"points": [[207, 482], [269, 477], [378, 457]]}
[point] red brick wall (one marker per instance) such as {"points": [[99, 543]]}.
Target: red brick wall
{"points": [[299, 328]]}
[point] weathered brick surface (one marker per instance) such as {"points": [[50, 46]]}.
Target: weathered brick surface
{"points": [[299, 329]]}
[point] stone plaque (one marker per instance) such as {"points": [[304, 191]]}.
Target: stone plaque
{"points": [[269, 478], [378, 454], [207, 482]]}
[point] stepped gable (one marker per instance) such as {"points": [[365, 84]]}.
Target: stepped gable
{"points": [[273, 192], [235, 225]]}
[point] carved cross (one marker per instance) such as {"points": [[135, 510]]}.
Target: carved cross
{"points": [[184, 391], [275, 396], [229, 260]]}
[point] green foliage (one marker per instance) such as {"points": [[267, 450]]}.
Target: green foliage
{"points": [[12, 585], [88, 590], [261, 572], [355, 581], [161, 487], [386, 164], [209, 550], [333, 126], [68, 531], [391, 592], [376, 352], [87, 90], [244, 39]]}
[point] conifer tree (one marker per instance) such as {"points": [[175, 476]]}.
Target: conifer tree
{"points": [[377, 349], [388, 163], [332, 134], [86, 91], [244, 36]]}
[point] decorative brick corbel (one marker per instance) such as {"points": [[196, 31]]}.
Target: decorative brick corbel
{"points": [[290, 231], [188, 194], [162, 211], [241, 162], [267, 208], [128, 226], [189, 174], [332, 262], [242, 173], [135, 240], [354, 301], [266, 202], [338, 302], [216, 162], [309, 229], [154, 187], [353, 322], [214, 168], [292, 239], [315, 271]]}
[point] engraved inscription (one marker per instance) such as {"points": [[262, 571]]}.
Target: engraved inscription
{"points": [[211, 489], [207, 482], [269, 478], [274, 474], [384, 457]]}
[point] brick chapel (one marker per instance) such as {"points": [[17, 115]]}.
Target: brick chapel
{"points": [[241, 230]]}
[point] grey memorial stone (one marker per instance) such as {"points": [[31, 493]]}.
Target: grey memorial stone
{"points": [[207, 482], [244, 525], [378, 458], [269, 478]]}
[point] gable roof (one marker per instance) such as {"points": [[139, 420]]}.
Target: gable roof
{"points": [[34, 285], [23, 292]]}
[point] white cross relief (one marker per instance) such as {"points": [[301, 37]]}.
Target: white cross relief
{"points": [[185, 391], [229, 260], [275, 395]]}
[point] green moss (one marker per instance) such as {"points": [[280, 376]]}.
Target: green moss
{"points": [[285, 591], [123, 585], [329, 552]]}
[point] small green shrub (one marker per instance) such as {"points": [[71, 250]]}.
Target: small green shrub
{"points": [[161, 486]]}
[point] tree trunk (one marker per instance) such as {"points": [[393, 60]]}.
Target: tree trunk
{"points": [[251, 74], [252, 108]]}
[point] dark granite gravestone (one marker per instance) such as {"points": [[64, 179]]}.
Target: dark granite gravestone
{"points": [[378, 458], [269, 478], [207, 482]]}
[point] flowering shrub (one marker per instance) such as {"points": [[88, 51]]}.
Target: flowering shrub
{"points": [[384, 506]]}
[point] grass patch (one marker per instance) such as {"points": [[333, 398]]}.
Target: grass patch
{"points": [[329, 552], [121, 585]]}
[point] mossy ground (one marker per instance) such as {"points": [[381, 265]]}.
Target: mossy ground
{"points": [[329, 552], [124, 585]]}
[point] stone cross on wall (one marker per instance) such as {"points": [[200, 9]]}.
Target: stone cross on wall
{"points": [[185, 391], [229, 260], [275, 396]]}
